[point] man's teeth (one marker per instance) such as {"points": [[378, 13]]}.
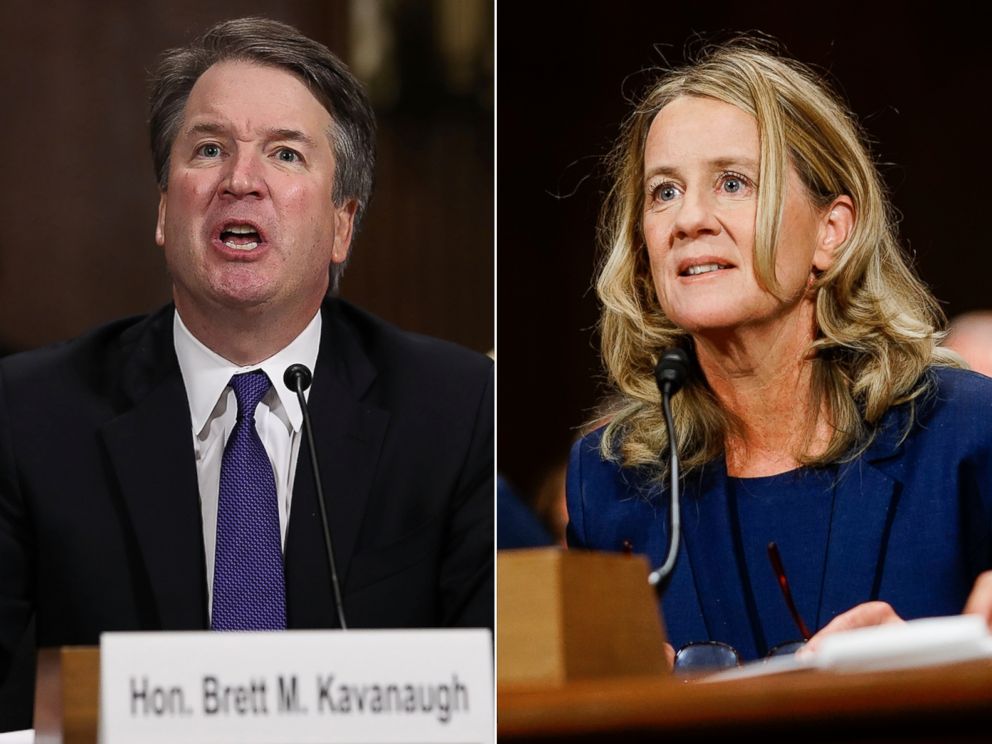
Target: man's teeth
{"points": [[240, 246], [703, 269], [240, 230]]}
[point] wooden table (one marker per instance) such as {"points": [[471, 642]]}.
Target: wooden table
{"points": [[940, 704]]}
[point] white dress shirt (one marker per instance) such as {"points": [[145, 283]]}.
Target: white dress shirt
{"points": [[213, 411]]}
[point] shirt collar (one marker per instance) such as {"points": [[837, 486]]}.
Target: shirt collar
{"points": [[206, 374]]}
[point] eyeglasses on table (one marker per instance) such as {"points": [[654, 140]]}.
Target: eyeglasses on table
{"points": [[703, 656]]}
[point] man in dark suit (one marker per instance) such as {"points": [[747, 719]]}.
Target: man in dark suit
{"points": [[142, 487]]}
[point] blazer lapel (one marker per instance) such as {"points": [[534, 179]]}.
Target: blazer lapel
{"points": [[151, 451], [864, 502], [348, 433], [708, 532]]}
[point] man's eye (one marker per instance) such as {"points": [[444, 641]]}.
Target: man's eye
{"points": [[288, 156], [210, 151]]}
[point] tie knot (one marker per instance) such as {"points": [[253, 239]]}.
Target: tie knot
{"points": [[249, 389]]}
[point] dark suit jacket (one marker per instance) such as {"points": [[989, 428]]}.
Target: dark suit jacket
{"points": [[100, 525], [910, 523]]}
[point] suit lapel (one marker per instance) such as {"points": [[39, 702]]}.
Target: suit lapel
{"points": [[348, 433], [150, 449]]}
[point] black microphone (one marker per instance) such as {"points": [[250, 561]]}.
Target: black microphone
{"points": [[298, 379], [670, 373]]}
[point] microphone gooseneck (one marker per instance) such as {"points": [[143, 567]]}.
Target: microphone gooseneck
{"points": [[670, 373], [298, 378]]}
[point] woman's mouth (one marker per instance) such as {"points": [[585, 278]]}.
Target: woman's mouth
{"points": [[705, 268]]}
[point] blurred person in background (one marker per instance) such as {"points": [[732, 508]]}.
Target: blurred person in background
{"points": [[970, 336]]}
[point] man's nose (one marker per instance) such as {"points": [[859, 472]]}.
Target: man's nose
{"points": [[244, 176]]}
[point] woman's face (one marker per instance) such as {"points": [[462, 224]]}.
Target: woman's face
{"points": [[700, 179]]}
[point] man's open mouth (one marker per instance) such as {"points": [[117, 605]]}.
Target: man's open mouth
{"points": [[240, 237]]}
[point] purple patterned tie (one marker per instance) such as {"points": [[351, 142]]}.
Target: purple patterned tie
{"points": [[249, 590]]}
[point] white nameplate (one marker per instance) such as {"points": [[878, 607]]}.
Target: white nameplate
{"points": [[352, 687]]}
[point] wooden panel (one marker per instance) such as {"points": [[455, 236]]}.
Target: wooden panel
{"points": [[611, 619], [68, 694], [951, 703], [558, 617], [529, 630]]}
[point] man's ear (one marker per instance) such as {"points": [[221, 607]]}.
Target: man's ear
{"points": [[836, 225], [160, 223], [344, 229]]}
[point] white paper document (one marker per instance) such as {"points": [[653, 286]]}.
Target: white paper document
{"points": [[18, 737], [916, 643]]}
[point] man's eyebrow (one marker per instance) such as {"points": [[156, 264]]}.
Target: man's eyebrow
{"points": [[274, 134], [290, 135], [205, 128]]}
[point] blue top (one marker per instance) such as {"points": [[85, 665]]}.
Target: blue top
{"points": [[908, 522], [792, 509]]}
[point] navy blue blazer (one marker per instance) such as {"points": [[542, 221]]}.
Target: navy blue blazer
{"points": [[910, 523]]}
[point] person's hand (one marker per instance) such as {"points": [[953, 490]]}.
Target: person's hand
{"points": [[861, 616], [670, 656], [980, 600]]}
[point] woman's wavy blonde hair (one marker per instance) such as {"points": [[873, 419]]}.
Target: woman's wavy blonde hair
{"points": [[876, 321]]}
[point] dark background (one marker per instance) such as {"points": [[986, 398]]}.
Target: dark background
{"points": [[918, 78], [78, 194]]}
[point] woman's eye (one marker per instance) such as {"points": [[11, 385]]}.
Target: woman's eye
{"points": [[731, 184], [210, 151], [666, 192]]}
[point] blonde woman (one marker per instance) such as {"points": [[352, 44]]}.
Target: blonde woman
{"points": [[748, 226]]}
